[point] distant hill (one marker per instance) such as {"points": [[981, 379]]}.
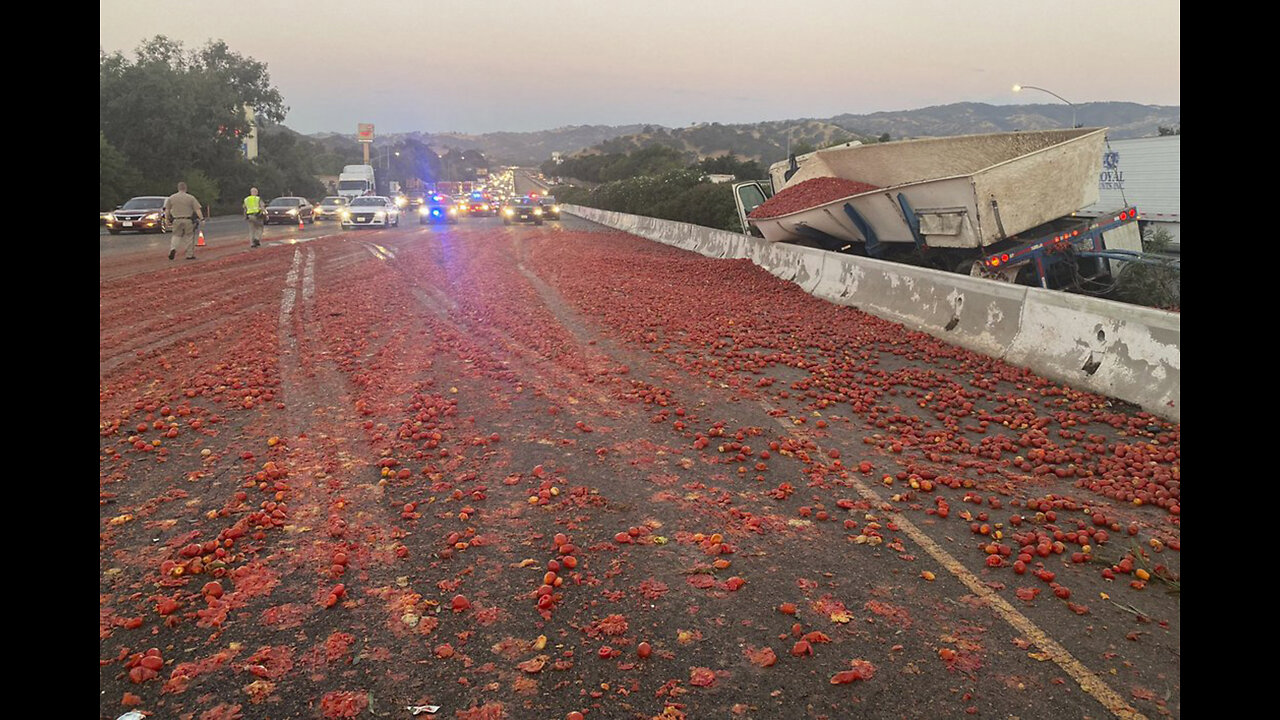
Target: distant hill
{"points": [[768, 141], [1125, 120], [507, 148]]}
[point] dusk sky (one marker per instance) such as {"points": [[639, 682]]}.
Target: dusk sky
{"points": [[497, 65]]}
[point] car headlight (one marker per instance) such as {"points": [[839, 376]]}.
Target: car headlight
{"points": [[555, 209], [380, 215], [293, 212], [153, 216], [111, 217], [422, 210], [537, 211], [346, 215], [453, 211], [508, 211], [400, 202]]}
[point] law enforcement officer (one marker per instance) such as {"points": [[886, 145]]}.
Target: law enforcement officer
{"points": [[184, 213], [253, 213]]}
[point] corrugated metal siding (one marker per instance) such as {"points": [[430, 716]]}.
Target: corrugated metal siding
{"points": [[1146, 172]]}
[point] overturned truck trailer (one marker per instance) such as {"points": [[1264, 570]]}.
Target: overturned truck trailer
{"points": [[967, 193]]}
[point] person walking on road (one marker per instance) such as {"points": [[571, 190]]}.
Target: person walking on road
{"points": [[184, 213], [253, 213]]}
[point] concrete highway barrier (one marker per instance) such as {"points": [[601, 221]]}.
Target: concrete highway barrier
{"points": [[1122, 351]]}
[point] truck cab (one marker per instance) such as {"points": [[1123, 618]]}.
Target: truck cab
{"points": [[356, 181]]}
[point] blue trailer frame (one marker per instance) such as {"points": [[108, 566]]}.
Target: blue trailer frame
{"points": [[1085, 241]]}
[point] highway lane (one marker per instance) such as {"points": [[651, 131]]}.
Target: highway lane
{"points": [[129, 253], [461, 394]]}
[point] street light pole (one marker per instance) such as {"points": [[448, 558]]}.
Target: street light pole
{"points": [[386, 162], [1019, 88]]}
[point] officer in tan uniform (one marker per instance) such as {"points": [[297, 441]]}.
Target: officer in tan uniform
{"points": [[184, 212]]}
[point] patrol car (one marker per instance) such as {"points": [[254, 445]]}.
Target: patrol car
{"points": [[371, 211], [522, 209], [438, 208]]}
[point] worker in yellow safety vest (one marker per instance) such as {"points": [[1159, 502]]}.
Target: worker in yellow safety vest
{"points": [[254, 214]]}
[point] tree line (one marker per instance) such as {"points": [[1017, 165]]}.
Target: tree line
{"points": [[168, 113], [655, 181]]}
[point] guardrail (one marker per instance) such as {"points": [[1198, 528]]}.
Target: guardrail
{"points": [[1123, 351]]}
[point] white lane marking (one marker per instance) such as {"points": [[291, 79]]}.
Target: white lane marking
{"points": [[309, 276], [290, 280]]}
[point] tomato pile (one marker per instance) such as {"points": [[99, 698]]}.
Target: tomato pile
{"points": [[809, 194]]}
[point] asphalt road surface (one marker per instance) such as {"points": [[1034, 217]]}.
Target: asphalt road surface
{"points": [[527, 472]]}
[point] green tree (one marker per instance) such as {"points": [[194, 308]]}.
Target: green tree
{"points": [[170, 110], [117, 181], [247, 78], [730, 165], [285, 161], [204, 188]]}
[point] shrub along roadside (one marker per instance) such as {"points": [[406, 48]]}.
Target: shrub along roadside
{"points": [[678, 195], [1151, 285]]}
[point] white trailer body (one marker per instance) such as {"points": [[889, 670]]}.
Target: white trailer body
{"points": [[1144, 172], [970, 191]]}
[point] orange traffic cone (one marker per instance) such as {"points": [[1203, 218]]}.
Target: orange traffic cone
{"points": [[299, 222], [200, 239]]}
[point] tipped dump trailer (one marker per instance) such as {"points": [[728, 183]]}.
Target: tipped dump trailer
{"points": [[954, 202]]}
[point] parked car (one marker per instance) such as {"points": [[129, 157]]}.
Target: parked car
{"points": [[289, 210], [438, 208], [522, 209], [331, 208], [550, 208], [371, 211], [140, 214]]}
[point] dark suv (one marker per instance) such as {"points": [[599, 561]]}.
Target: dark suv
{"points": [[550, 208]]}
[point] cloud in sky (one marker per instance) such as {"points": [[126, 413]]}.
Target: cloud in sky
{"points": [[498, 65]]}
